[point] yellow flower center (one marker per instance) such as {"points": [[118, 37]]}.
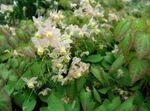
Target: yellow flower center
{"points": [[66, 59], [58, 65], [40, 51], [59, 77], [81, 34], [62, 50], [30, 85], [56, 17], [37, 35], [49, 34]]}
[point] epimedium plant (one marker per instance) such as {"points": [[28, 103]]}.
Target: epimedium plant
{"points": [[88, 58]]}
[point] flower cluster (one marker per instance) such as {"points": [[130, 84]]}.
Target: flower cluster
{"points": [[86, 9], [55, 35]]}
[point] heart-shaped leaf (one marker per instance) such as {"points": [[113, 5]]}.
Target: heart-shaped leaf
{"points": [[137, 69], [121, 29], [142, 44], [55, 104]]}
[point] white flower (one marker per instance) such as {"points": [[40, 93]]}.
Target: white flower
{"points": [[84, 53], [112, 17], [56, 15], [73, 5], [58, 77], [119, 73], [4, 8], [116, 49], [44, 92], [126, 0], [77, 68], [31, 83], [47, 35]]}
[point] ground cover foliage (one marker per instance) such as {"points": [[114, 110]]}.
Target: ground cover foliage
{"points": [[74, 55]]}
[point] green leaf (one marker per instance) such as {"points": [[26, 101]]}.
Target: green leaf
{"points": [[114, 104], [126, 44], [121, 29], [138, 98], [96, 95], [99, 74], [142, 44], [29, 104], [85, 98], [109, 58], [137, 69], [117, 64], [104, 90], [94, 58], [71, 91], [43, 109], [55, 104], [21, 97], [5, 102], [105, 64], [73, 106], [101, 108], [138, 24], [80, 83], [127, 105]]}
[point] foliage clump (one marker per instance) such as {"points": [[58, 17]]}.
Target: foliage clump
{"points": [[85, 55]]}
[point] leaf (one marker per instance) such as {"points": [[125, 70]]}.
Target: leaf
{"points": [[138, 98], [105, 65], [126, 44], [117, 63], [20, 98], [71, 91], [104, 90], [99, 74], [5, 102], [80, 83], [43, 109], [109, 58], [127, 105], [96, 95], [114, 104], [142, 44], [121, 29], [74, 106], [138, 24], [85, 98], [101, 108], [94, 58], [29, 104], [137, 69], [55, 104]]}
